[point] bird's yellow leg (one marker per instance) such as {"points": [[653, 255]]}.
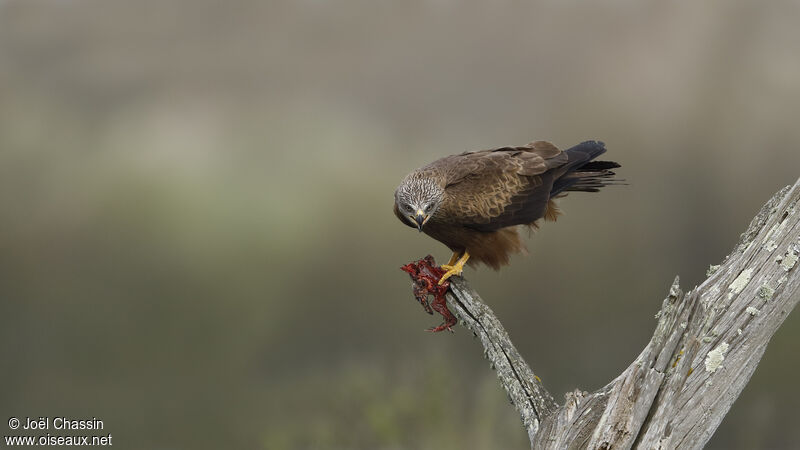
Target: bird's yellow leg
{"points": [[456, 268], [452, 261]]}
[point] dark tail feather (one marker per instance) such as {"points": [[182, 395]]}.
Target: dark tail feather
{"points": [[593, 166], [583, 174]]}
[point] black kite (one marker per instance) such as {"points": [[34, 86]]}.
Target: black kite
{"points": [[473, 202]]}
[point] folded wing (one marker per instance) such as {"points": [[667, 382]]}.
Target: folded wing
{"points": [[492, 189]]}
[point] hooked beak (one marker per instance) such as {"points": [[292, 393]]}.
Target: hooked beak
{"points": [[421, 218]]}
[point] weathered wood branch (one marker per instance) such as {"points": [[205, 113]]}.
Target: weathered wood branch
{"points": [[706, 346], [523, 387]]}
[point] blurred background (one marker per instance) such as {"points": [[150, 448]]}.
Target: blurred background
{"points": [[196, 237]]}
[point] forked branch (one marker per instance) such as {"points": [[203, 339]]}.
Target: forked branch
{"points": [[706, 346]]}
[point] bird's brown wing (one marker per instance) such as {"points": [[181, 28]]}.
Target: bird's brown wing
{"points": [[492, 189]]}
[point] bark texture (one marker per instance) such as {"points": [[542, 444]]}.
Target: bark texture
{"points": [[706, 346]]}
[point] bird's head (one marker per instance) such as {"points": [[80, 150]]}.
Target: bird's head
{"points": [[417, 199]]}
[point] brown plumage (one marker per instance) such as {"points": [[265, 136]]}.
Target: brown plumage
{"points": [[474, 201]]}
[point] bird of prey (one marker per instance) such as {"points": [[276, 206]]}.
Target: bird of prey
{"points": [[474, 202]]}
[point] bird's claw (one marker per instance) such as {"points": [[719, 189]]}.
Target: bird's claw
{"points": [[454, 267], [450, 271]]}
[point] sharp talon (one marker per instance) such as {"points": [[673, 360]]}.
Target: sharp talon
{"points": [[449, 273], [454, 267]]}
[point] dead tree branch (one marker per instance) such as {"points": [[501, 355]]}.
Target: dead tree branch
{"points": [[706, 346]]}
